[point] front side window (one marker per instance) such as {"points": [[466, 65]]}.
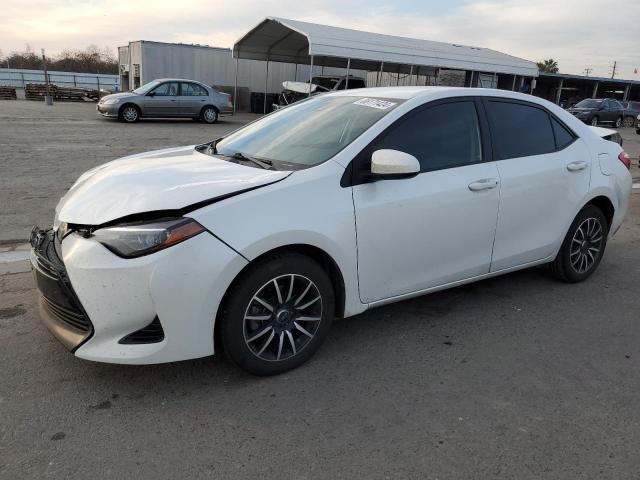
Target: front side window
{"points": [[309, 132], [168, 89], [188, 89], [440, 136], [519, 130]]}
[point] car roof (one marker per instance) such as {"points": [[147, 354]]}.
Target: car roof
{"points": [[407, 93]]}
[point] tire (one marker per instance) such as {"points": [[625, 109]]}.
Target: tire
{"points": [[129, 113], [269, 342], [587, 233], [629, 122], [618, 123], [209, 115], [594, 122]]}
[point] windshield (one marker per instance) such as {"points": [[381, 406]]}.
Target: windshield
{"points": [[308, 132], [588, 103], [146, 88]]}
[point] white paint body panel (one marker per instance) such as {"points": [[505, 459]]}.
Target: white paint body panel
{"points": [[390, 240], [161, 180]]}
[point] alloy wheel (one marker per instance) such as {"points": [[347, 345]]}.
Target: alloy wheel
{"points": [[586, 245], [130, 114], [210, 115], [282, 317], [618, 123], [594, 122], [628, 122]]}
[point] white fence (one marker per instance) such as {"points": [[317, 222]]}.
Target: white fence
{"points": [[19, 78]]}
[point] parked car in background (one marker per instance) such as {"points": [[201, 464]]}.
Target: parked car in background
{"points": [[594, 111], [631, 113], [326, 208], [167, 98], [294, 91]]}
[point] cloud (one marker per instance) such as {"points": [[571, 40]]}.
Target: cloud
{"points": [[577, 33]]}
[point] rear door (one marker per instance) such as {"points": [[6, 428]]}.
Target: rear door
{"points": [[192, 98], [544, 176], [162, 101], [434, 228]]}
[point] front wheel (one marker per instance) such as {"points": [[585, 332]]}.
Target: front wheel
{"points": [[618, 123], [583, 246], [629, 122], [594, 122], [277, 314], [129, 114]]}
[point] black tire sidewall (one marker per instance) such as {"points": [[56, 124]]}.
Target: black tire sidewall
{"points": [[587, 212], [243, 290]]}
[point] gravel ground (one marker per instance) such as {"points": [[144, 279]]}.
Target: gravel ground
{"points": [[514, 377]]}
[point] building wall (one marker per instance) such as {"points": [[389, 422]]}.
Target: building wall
{"points": [[212, 66]]}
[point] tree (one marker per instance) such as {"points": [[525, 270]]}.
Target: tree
{"points": [[90, 60], [548, 66]]}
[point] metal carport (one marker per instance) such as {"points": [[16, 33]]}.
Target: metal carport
{"points": [[291, 41]]}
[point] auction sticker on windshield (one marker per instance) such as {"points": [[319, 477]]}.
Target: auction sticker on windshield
{"points": [[374, 103]]}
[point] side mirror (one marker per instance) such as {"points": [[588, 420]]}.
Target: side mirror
{"points": [[151, 94], [393, 164]]}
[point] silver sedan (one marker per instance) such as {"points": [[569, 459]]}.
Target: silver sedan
{"points": [[167, 97]]}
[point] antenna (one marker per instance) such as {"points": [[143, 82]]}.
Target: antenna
{"points": [[587, 71], [613, 69]]}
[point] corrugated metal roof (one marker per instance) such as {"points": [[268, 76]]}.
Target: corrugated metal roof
{"points": [[283, 40]]}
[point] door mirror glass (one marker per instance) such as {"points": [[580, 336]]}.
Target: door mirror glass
{"points": [[393, 163]]}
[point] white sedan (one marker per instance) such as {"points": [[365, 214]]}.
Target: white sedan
{"points": [[255, 242]]}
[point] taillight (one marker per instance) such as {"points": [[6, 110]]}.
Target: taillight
{"points": [[230, 100], [626, 159]]}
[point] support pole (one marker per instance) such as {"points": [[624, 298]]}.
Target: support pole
{"points": [[494, 81], [381, 73], [411, 75], [437, 77], [235, 89], [266, 87], [627, 89], [559, 92], [595, 90], [346, 83], [295, 76], [398, 76], [513, 86], [47, 98], [310, 76]]}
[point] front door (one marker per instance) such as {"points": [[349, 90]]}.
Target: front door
{"points": [[437, 227], [162, 101]]}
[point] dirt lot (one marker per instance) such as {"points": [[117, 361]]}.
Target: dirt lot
{"points": [[515, 377]]}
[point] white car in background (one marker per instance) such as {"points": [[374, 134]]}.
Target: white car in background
{"points": [[327, 208]]}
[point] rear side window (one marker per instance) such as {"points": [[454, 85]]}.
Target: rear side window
{"points": [[192, 90], [442, 136], [563, 137], [519, 130]]}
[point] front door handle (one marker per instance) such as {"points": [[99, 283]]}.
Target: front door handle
{"points": [[484, 184], [577, 166]]}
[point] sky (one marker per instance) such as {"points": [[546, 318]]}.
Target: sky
{"points": [[578, 34]]}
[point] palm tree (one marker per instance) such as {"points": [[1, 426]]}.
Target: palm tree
{"points": [[548, 66]]}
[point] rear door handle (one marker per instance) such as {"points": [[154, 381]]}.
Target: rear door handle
{"points": [[577, 166], [483, 184]]}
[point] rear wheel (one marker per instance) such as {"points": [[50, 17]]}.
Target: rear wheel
{"points": [[129, 114], [629, 122], [594, 122], [277, 314], [618, 123], [583, 246], [209, 115]]}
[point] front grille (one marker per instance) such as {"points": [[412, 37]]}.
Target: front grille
{"points": [[61, 310], [73, 318], [152, 333]]}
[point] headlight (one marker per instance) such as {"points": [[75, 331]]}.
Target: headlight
{"points": [[110, 101], [142, 238]]}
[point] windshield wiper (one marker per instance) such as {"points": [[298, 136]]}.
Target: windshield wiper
{"points": [[266, 164]]}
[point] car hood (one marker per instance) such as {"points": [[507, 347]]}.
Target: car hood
{"points": [[171, 179], [118, 95]]}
